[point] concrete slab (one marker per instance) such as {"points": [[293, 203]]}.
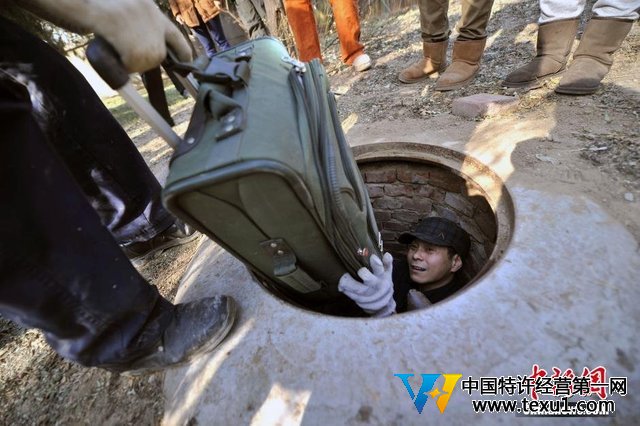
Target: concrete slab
{"points": [[563, 295]]}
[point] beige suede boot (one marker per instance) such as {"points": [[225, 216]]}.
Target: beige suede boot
{"points": [[465, 63], [555, 40], [433, 62], [594, 56]]}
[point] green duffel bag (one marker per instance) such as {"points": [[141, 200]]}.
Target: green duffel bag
{"points": [[265, 171]]}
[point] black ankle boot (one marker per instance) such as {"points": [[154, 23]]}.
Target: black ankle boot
{"points": [[140, 253], [196, 328]]}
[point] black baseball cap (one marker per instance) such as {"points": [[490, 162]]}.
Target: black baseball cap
{"points": [[440, 232]]}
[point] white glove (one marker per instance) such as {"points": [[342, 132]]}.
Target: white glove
{"points": [[375, 293], [137, 29]]}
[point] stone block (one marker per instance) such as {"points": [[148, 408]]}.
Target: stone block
{"points": [[380, 176], [398, 189], [422, 206], [487, 224], [394, 225], [472, 229], [459, 203], [387, 203], [483, 104], [427, 191], [414, 175], [389, 235], [395, 248], [404, 171], [481, 203], [405, 216], [447, 181], [446, 213], [375, 190], [382, 215], [476, 257], [434, 176]]}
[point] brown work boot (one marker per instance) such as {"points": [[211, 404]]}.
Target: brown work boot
{"points": [[555, 40], [465, 63], [594, 56], [430, 65]]}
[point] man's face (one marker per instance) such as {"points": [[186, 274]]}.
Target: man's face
{"points": [[431, 264]]}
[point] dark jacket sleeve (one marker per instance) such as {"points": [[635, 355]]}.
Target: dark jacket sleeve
{"points": [[401, 284]]}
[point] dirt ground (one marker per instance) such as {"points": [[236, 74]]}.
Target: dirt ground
{"points": [[594, 146]]}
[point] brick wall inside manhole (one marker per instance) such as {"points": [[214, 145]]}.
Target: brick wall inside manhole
{"points": [[403, 192]]}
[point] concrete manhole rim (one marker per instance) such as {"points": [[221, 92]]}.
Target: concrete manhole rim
{"points": [[463, 165]]}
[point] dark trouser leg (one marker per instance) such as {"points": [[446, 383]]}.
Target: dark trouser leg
{"points": [[97, 151], [176, 83], [203, 36], [474, 19], [214, 25], [252, 16], [60, 269], [152, 80]]}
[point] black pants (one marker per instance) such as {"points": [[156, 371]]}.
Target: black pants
{"points": [[72, 186], [152, 81]]}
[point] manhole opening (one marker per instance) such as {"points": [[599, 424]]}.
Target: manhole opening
{"points": [[408, 182]]}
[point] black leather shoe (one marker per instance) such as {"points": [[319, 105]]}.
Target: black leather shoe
{"points": [[140, 253], [197, 327]]}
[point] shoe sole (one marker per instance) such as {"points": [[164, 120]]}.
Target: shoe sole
{"points": [[431, 76], [362, 68], [215, 341], [529, 85], [576, 91], [455, 86], [533, 84], [206, 348], [141, 261]]}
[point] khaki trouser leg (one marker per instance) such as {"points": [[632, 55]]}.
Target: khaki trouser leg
{"points": [[474, 20], [434, 21]]}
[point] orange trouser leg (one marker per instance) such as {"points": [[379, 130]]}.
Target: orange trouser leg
{"points": [[303, 25], [345, 13]]}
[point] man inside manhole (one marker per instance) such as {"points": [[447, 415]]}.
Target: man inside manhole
{"points": [[428, 274]]}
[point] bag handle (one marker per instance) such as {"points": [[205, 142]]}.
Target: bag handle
{"points": [[226, 76], [224, 71], [286, 267]]}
